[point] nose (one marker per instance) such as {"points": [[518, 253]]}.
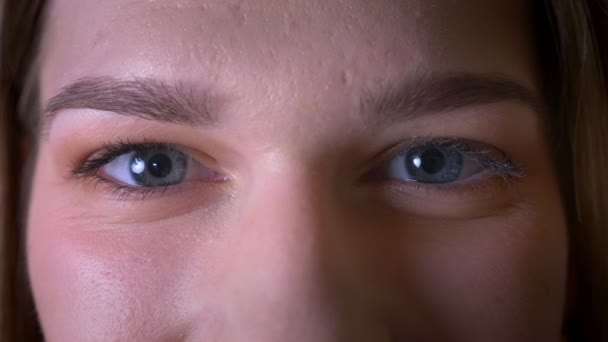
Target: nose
{"points": [[290, 275], [281, 277]]}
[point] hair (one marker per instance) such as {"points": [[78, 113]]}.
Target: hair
{"points": [[576, 75]]}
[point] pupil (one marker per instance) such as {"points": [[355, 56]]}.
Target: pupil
{"points": [[159, 166], [433, 161]]}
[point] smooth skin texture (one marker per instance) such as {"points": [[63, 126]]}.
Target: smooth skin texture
{"points": [[296, 244]]}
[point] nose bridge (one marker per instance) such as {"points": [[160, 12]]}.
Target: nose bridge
{"points": [[284, 233], [287, 221]]}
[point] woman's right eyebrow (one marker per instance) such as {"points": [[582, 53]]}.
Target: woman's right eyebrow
{"points": [[146, 98]]}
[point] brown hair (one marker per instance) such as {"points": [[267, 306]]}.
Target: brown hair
{"points": [[569, 31], [21, 21], [581, 137]]}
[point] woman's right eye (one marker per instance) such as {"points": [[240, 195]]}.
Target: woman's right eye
{"points": [[148, 166]]}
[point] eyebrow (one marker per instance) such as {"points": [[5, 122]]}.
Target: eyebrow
{"points": [[153, 99], [145, 98], [444, 93]]}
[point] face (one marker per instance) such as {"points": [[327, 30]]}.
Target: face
{"points": [[341, 170]]}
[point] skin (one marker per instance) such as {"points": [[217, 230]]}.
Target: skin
{"points": [[295, 245]]}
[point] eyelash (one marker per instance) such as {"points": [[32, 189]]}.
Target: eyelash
{"points": [[506, 168], [89, 170]]}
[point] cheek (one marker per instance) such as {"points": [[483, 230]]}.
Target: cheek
{"points": [[94, 281], [500, 278], [505, 275]]}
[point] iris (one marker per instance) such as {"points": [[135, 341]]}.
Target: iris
{"points": [[155, 167], [434, 164]]}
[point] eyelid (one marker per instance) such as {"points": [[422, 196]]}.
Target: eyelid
{"points": [[471, 148], [108, 153], [89, 170], [408, 144], [113, 149]]}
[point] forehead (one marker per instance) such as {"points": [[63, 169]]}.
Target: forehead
{"points": [[233, 42]]}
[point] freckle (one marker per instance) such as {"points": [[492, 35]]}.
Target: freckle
{"points": [[347, 77], [239, 13]]}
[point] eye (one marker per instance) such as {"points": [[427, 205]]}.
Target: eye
{"points": [[445, 161], [433, 164], [146, 166]]}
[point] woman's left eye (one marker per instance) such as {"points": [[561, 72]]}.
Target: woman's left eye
{"points": [[445, 161]]}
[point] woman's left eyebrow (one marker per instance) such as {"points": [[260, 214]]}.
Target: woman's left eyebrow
{"points": [[443, 92]]}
